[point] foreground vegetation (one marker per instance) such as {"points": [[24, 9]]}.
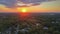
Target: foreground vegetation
{"points": [[42, 24]]}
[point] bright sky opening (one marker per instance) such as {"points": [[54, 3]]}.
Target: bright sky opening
{"points": [[23, 10]]}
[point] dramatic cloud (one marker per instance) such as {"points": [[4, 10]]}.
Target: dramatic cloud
{"points": [[34, 1], [8, 3], [22, 4], [51, 5], [28, 3], [12, 3]]}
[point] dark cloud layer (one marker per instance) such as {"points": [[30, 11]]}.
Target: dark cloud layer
{"points": [[11, 3], [34, 1], [30, 1]]}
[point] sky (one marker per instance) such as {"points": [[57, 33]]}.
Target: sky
{"points": [[30, 5]]}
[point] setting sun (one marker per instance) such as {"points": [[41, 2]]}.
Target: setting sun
{"points": [[23, 10]]}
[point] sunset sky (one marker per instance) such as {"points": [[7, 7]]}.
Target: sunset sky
{"points": [[43, 6]]}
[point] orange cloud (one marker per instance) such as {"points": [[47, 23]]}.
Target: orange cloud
{"points": [[3, 8]]}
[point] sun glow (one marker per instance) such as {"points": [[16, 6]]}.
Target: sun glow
{"points": [[23, 10]]}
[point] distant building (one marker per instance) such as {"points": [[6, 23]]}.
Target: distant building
{"points": [[45, 28]]}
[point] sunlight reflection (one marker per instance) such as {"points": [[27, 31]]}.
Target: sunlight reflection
{"points": [[23, 16]]}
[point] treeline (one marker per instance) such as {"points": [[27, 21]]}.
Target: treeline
{"points": [[42, 24]]}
